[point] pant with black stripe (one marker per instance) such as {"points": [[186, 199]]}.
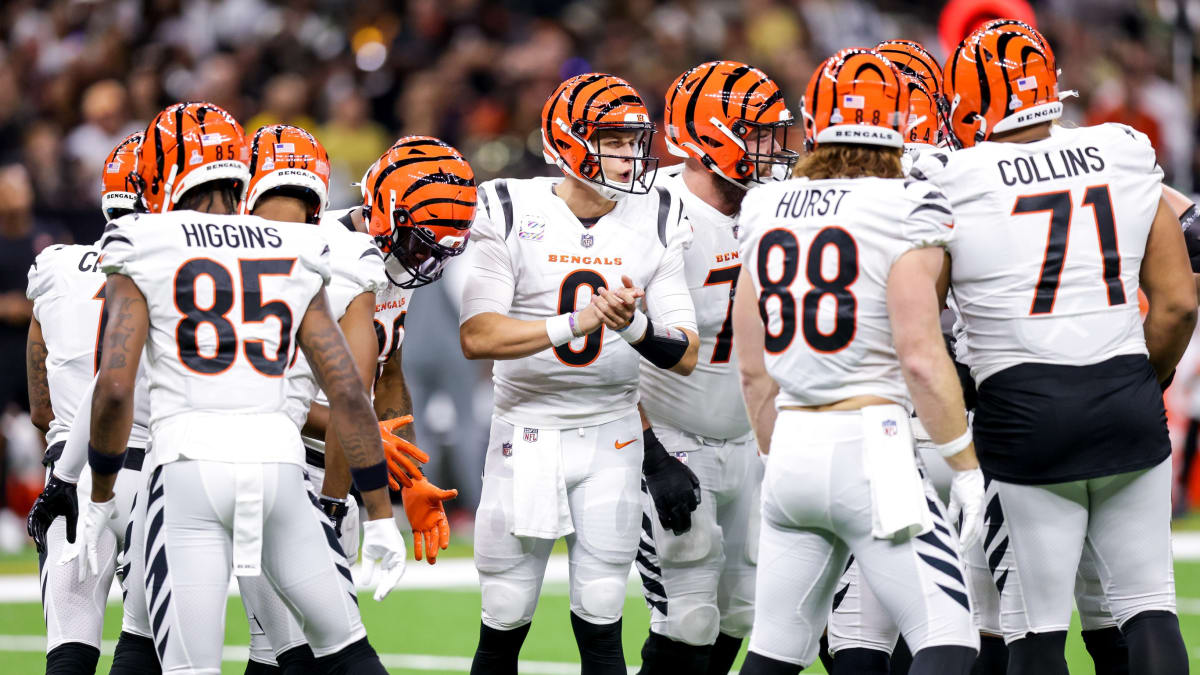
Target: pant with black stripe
{"points": [[702, 582], [816, 512], [1063, 536], [189, 558]]}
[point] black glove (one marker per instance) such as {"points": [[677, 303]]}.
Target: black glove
{"points": [[336, 510], [673, 487], [57, 499]]}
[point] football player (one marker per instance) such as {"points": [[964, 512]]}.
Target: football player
{"points": [[67, 290], [418, 205], [1071, 429], [836, 319], [566, 450], [728, 120], [210, 295]]}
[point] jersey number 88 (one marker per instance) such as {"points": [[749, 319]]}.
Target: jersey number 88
{"points": [[845, 315]]}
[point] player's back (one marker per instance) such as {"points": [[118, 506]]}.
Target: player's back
{"points": [[820, 253], [225, 296], [67, 290], [1048, 244]]}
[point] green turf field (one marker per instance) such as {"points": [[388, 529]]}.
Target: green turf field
{"points": [[434, 631]]}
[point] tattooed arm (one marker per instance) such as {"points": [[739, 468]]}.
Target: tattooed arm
{"points": [[391, 395], [40, 410], [350, 416], [112, 402], [358, 325]]}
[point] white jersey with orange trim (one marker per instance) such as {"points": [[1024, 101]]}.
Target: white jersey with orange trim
{"points": [[533, 259], [391, 301], [1027, 290], [820, 254], [225, 296], [356, 267], [67, 290], [709, 401]]}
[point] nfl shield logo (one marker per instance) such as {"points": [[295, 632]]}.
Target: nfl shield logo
{"points": [[530, 435], [682, 457], [506, 449], [587, 240], [889, 427]]}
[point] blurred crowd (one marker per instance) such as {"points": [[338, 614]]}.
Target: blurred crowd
{"points": [[76, 76]]}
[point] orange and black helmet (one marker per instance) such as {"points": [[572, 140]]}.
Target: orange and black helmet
{"points": [[588, 104], [419, 203], [732, 118], [1017, 26], [1000, 80], [288, 158], [913, 59], [858, 97], [187, 145], [118, 183], [924, 123]]}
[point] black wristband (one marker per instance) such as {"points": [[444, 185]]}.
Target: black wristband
{"points": [[661, 346], [370, 477], [103, 463]]}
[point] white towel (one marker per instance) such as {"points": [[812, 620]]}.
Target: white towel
{"points": [[540, 507], [898, 509], [248, 520]]}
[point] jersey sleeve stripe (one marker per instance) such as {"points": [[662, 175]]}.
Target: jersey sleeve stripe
{"points": [[664, 209], [114, 237], [931, 207], [505, 205], [371, 252]]}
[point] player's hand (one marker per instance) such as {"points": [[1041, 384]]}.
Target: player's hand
{"points": [[423, 504], [402, 456], [673, 487], [588, 320], [382, 556], [967, 498], [100, 516], [58, 498]]}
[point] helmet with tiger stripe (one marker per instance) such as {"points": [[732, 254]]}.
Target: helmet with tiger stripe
{"points": [[911, 58], [419, 204], [1017, 26], [1000, 80], [924, 123], [574, 121], [856, 97], [287, 158], [187, 145], [118, 183], [732, 118]]}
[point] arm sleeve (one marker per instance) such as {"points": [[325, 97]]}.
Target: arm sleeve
{"points": [[668, 300], [40, 279], [316, 258], [117, 251], [491, 279], [74, 455], [930, 220], [357, 268]]}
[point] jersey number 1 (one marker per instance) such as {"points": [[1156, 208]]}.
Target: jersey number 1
{"points": [[254, 310], [1059, 206]]}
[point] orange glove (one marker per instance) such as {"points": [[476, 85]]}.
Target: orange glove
{"points": [[400, 454], [423, 504]]}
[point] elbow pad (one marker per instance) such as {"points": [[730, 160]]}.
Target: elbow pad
{"points": [[1190, 220], [662, 346]]}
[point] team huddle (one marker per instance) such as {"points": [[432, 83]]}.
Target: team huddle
{"points": [[731, 376]]}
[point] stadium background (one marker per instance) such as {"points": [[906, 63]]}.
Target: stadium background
{"points": [[78, 75]]}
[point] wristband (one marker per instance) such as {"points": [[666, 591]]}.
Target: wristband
{"points": [[955, 446], [370, 477], [558, 329], [103, 463], [636, 330]]}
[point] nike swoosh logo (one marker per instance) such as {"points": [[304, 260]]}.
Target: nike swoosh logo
{"points": [[618, 445]]}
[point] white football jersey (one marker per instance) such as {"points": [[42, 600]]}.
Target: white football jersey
{"points": [[67, 290], [709, 401], [225, 296], [356, 267], [1026, 289], [820, 253], [532, 259]]}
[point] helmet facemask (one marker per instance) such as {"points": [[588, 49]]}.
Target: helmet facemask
{"points": [[766, 158], [643, 167]]}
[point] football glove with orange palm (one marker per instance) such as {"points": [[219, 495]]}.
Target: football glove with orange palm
{"points": [[423, 504], [400, 454]]}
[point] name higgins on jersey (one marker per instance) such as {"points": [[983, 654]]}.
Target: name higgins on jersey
{"points": [[213, 235]]}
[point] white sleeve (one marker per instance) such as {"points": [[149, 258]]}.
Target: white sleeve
{"points": [[74, 455], [668, 300], [117, 250], [930, 221], [316, 259], [491, 279]]}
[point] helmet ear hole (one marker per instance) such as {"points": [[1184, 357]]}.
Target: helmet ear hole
{"points": [[742, 168]]}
